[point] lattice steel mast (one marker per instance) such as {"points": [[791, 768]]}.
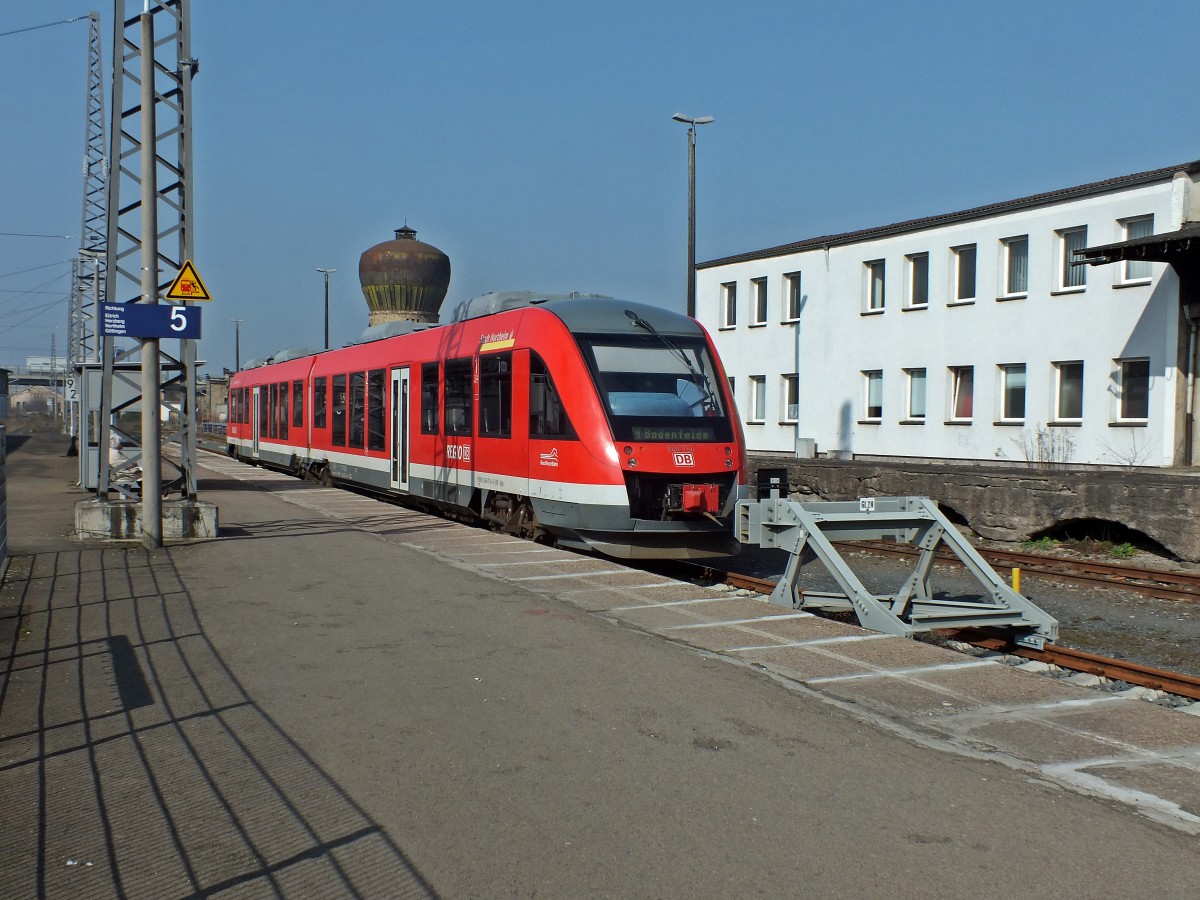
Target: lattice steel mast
{"points": [[87, 282], [149, 232]]}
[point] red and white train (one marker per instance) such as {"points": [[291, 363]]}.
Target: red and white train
{"points": [[603, 424]]}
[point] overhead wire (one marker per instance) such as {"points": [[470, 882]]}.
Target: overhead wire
{"points": [[36, 27]]}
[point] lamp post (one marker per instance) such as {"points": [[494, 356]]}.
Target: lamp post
{"points": [[237, 343], [692, 122], [326, 273]]}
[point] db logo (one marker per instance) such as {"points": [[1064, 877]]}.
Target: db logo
{"points": [[684, 459]]}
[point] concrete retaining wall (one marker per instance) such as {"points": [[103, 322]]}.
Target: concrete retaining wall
{"points": [[1014, 504]]}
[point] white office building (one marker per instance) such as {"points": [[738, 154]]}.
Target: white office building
{"points": [[971, 335]]}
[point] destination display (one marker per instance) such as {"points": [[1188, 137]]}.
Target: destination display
{"points": [[150, 320], [697, 433]]}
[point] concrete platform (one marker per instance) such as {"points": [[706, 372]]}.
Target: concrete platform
{"points": [[338, 697]]}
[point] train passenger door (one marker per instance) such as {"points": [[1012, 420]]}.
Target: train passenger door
{"points": [[400, 417], [256, 418]]}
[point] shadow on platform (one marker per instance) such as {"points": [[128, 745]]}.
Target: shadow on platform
{"points": [[134, 764]]}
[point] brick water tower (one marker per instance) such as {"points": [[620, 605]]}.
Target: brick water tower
{"points": [[404, 280]]}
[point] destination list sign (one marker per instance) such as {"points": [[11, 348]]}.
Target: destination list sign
{"points": [[150, 320]]}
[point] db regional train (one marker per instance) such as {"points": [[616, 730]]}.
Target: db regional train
{"points": [[597, 423]]}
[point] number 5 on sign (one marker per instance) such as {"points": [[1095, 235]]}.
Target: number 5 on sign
{"points": [[179, 318]]}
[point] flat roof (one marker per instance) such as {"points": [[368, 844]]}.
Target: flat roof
{"points": [[977, 212]]}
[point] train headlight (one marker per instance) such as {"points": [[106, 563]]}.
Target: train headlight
{"points": [[628, 450], [632, 463], [728, 451], [729, 463]]}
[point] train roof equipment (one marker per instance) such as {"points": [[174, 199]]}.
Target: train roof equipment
{"points": [[816, 525]]}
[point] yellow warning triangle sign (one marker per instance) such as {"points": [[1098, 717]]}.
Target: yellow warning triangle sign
{"points": [[187, 285]]}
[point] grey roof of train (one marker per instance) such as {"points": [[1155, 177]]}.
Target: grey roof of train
{"points": [[587, 313], [977, 212]]}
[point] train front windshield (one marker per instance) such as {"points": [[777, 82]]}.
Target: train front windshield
{"points": [[658, 388]]}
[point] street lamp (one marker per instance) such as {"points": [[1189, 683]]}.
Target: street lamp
{"points": [[326, 273], [692, 122], [237, 342]]}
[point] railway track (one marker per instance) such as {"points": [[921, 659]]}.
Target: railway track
{"points": [[1148, 582], [1064, 657]]}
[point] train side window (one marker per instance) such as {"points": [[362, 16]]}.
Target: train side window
{"points": [[458, 396], [429, 398], [264, 411], [339, 410], [547, 418], [495, 395], [375, 430], [273, 412], [357, 411], [297, 404], [247, 409], [319, 402], [283, 411]]}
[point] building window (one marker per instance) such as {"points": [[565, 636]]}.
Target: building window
{"points": [[1016, 266], [1134, 389], [791, 398], [964, 273], [962, 389], [916, 394], [729, 305], [758, 398], [794, 296], [873, 382], [874, 274], [758, 290], [918, 280], [1068, 406], [1141, 227], [1012, 391], [1071, 276]]}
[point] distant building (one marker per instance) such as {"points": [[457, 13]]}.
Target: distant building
{"points": [[974, 335], [36, 399]]}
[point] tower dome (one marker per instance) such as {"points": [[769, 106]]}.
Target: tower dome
{"points": [[404, 280]]}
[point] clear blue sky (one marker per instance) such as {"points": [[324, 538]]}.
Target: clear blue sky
{"points": [[533, 141]]}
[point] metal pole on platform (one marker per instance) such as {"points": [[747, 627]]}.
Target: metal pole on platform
{"points": [[326, 272], [151, 461]]}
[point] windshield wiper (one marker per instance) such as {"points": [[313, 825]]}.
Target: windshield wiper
{"points": [[709, 398]]}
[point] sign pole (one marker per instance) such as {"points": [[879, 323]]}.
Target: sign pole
{"points": [[151, 461]]}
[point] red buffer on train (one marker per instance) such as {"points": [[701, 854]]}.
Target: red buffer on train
{"points": [[599, 423]]}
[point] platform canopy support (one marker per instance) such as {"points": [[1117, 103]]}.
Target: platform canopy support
{"points": [[818, 526]]}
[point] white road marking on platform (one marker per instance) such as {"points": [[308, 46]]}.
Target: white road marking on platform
{"points": [[1149, 804], [669, 603], [531, 550], [575, 575], [526, 562], [845, 639], [891, 673], [802, 615]]}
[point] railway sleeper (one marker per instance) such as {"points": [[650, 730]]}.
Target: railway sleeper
{"points": [[815, 527]]}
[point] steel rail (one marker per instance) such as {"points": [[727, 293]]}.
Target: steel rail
{"points": [[1091, 663], [1149, 582]]}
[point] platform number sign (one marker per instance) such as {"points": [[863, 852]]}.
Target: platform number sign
{"points": [[150, 320]]}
